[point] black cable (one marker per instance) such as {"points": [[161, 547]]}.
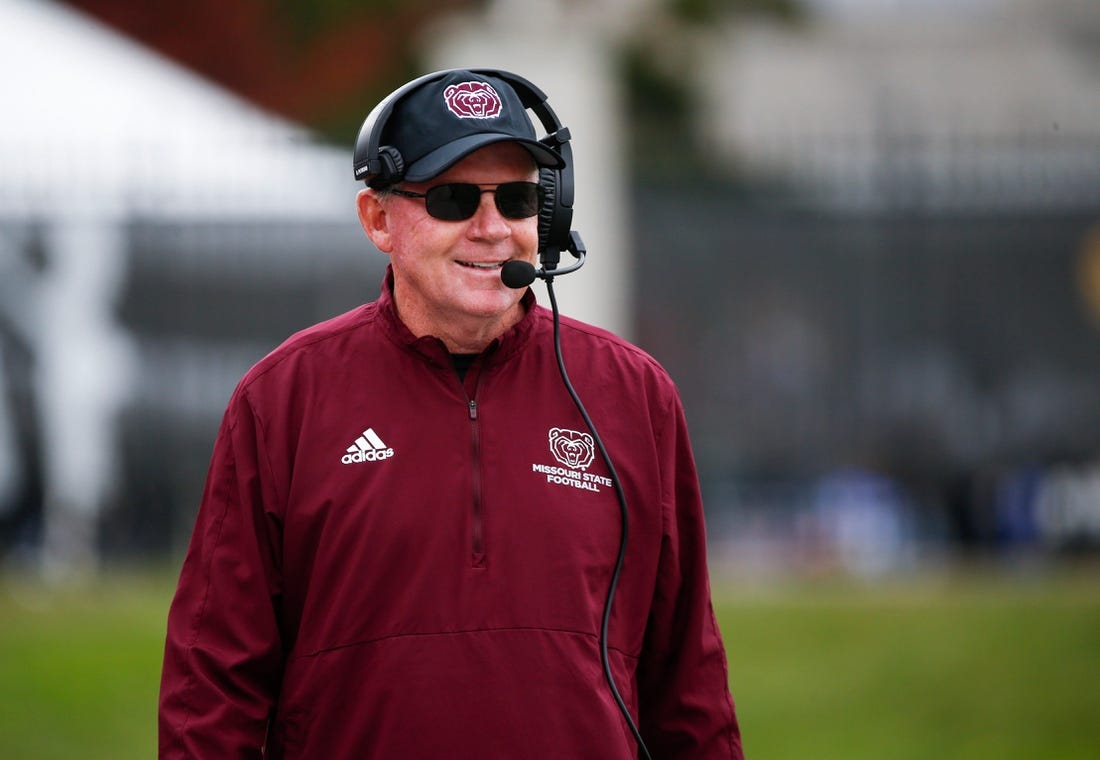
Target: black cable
{"points": [[604, 657]]}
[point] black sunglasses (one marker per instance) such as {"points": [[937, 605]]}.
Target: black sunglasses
{"points": [[456, 201]]}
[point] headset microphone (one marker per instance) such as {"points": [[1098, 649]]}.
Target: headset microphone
{"points": [[520, 274]]}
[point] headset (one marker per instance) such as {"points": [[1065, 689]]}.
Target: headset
{"points": [[383, 165]]}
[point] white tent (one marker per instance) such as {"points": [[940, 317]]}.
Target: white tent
{"points": [[95, 123]]}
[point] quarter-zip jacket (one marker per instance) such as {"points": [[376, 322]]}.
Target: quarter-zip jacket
{"points": [[389, 562]]}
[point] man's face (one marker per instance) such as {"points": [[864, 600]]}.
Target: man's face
{"points": [[447, 274]]}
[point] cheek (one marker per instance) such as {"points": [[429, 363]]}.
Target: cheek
{"points": [[420, 242], [528, 236]]}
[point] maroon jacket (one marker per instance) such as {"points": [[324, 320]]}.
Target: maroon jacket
{"points": [[391, 563]]}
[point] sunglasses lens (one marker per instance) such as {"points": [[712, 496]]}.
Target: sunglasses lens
{"points": [[453, 202], [518, 200], [457, 201]]}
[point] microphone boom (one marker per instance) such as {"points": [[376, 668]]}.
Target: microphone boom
{"points": [[520, 274]]}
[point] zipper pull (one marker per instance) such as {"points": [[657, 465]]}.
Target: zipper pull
{"points": [[473, 409]]}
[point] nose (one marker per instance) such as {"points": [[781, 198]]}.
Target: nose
{"points": [[487, 222]]}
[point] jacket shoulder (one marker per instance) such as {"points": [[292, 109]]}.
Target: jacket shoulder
{"points": [[611, 346], [318, 341], [601, 359]]}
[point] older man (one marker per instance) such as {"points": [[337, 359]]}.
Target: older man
{"points": [[408, 538]]}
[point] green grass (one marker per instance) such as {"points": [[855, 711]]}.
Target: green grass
{"points": [[978, 668], [79, 668]]}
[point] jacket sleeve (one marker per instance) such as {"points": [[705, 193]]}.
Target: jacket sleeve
{"points": [[223, 653], [685, 706]]}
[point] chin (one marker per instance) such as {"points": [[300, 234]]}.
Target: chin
{"points": [[494, 303]]}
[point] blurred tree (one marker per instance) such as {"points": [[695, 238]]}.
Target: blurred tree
{"points": [[709, 11], [321, 63]]}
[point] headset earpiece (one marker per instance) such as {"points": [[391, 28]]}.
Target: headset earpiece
{"points": [[548, 181], [391, 168], [554, 219]]}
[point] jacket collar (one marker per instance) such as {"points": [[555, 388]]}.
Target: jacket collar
{"points": [[433, 349]]}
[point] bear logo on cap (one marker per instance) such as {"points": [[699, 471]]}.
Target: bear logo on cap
{"points": [[472, 100]]}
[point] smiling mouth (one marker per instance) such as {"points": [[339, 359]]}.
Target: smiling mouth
{"points": [[482, 264]]}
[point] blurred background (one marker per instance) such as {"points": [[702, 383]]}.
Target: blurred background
{"points": [[863, 236]]}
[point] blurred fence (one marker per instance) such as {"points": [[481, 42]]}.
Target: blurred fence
{"points": [[199, 304], [865, 382]]}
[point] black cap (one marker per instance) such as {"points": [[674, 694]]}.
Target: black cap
{"points": [[446, 120]]}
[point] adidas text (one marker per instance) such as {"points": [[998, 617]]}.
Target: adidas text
{"points": [[367, 456]]}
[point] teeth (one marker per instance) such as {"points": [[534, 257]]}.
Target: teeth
{"points": [[480, 265]]}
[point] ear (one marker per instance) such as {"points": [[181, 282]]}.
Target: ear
{"points": [[375, 221]]}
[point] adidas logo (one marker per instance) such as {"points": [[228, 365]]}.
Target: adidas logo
{"points": [[367, 448]]}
